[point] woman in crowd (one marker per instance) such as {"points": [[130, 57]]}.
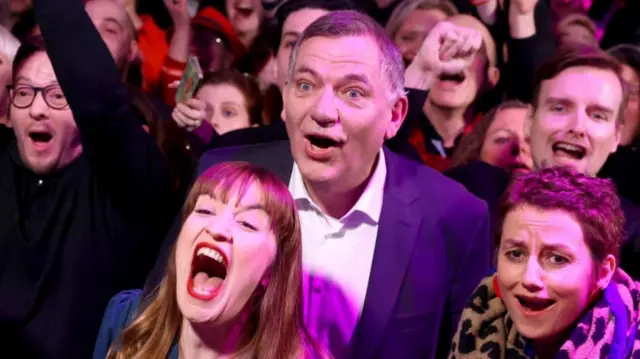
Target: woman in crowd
{"points": [[412, 20], [557, 292], [8, 47], [621, 166], [498, 139], [629, 56], [233, 285], [225, 100], [576, 28]]}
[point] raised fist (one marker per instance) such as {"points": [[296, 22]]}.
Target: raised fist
{"points": [[448, 48], [522, 7]]}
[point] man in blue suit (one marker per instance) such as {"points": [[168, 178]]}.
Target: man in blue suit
{"points": [[392, 250]]}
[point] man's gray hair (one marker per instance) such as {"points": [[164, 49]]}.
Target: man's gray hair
{"points": [[337, 24]]}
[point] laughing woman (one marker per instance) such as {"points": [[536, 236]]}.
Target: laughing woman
{"points": [[233, 284], [557, 292]]}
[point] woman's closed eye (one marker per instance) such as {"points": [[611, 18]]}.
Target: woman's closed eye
{"points": [[248, 225], [204, 211]]}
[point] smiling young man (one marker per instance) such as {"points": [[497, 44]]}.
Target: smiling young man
{"points": [[578, 107], [373, 222]]}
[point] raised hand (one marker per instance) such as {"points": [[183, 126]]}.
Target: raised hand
{"points": [[191, 114], [523, 7], [448, 48], [179, 12]]}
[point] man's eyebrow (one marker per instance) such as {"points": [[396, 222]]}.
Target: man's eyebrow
{"points": [[306, 70], [24, 78], [606, 109], [355, 77], [555, 99]]}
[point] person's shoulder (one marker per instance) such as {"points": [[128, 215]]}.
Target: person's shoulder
{"points": [[274, 132], [241, 152], [267, 155], [119, 313], [5, 133], [434, 188]]}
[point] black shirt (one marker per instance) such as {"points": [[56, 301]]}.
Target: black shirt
{"points": [[72, 239]]}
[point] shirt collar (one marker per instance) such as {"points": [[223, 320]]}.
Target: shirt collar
{"points": [[369, 203]]}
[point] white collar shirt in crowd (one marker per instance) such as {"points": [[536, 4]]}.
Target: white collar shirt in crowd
{"points": [[337, 255]]}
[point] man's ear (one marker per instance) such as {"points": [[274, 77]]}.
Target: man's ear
{"points": [[398, 113], [283, 93], [616, 142]]}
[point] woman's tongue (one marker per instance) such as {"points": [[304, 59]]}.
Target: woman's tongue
{"points": [[203, 283]]}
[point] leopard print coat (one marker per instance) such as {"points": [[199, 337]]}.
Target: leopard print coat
{"points": [[610, 329]]}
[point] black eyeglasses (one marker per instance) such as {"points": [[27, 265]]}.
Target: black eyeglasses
{"points": [[22, 96]]}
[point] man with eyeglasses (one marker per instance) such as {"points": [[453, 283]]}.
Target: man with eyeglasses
{"points": [[84, 193]]}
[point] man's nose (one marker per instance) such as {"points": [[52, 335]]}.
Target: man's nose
{"points": [[39, 108], [325, 111], [577, 123]]}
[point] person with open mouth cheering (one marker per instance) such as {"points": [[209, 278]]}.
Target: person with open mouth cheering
{"points": [[557, 292], [233, 285]]}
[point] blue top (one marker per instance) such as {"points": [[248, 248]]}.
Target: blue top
{"points": [[120, 312]]}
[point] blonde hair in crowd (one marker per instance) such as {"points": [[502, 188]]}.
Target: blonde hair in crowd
{"points": [[275, 328], [406, 7]]}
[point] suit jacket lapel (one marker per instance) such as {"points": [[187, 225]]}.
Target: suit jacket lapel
{"points": [[397, 232]]}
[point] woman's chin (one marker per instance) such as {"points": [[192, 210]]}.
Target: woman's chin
{"points": [[199, 311]]}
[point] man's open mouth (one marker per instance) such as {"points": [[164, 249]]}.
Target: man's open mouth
{"points": [[40, 136], [569, 150], [322, 142], [208, 272], [535, 304]]}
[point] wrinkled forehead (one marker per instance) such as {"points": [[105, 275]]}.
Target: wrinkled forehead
{"points": [[355, 57], [488, 43]]}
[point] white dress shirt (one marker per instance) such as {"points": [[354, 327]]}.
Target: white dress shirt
{"points": [[336, 256]]}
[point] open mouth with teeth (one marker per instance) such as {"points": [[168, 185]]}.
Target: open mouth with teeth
{"points": [[564, 149], [456, 78], [533, 305], [208, 272]]}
